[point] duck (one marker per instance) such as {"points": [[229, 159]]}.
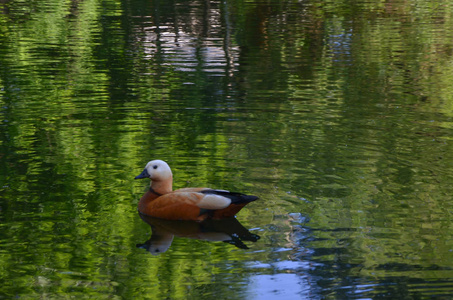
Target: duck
{"points": [[189, 204]]}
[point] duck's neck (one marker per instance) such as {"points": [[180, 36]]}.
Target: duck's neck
{"points": [[162, 187], [156, 189]]}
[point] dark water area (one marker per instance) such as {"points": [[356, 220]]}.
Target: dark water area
{"points": [[337, 114]]}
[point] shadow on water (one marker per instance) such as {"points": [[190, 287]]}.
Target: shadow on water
{"points": [[229, 231]]}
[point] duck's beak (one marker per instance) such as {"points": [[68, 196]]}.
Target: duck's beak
{"points": [[144, 174]]}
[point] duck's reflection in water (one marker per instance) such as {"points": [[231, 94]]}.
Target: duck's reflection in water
{"points": [[224, 230]]}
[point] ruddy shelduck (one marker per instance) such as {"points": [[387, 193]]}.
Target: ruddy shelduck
{"points": [[196, 204]]}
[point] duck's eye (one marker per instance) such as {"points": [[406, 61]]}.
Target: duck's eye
{"points": [[155, 167]]}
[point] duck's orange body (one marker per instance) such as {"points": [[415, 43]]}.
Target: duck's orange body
{"points": [[186, 204]]}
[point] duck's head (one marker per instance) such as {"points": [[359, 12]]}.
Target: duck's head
{"points": [[156, 170]]}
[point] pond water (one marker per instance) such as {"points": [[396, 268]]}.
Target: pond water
{"points": [[337, 114]]}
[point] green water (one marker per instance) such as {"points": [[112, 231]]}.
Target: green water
{"points": [[337, 114]]}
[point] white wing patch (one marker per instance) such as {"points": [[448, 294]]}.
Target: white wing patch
{"points": [[213, 202]]}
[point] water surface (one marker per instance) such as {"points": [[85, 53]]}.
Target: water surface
{"points": [[338, 115]]}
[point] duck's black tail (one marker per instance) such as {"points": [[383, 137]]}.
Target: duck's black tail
{"points": [[236, 198]]}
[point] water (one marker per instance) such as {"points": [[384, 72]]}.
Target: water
{"points": [[337, 114]]}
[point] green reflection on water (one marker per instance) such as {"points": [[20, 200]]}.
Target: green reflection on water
{"points": [[339, 111]]}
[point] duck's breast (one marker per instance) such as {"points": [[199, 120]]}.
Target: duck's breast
{"points": [[174, 206]]}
